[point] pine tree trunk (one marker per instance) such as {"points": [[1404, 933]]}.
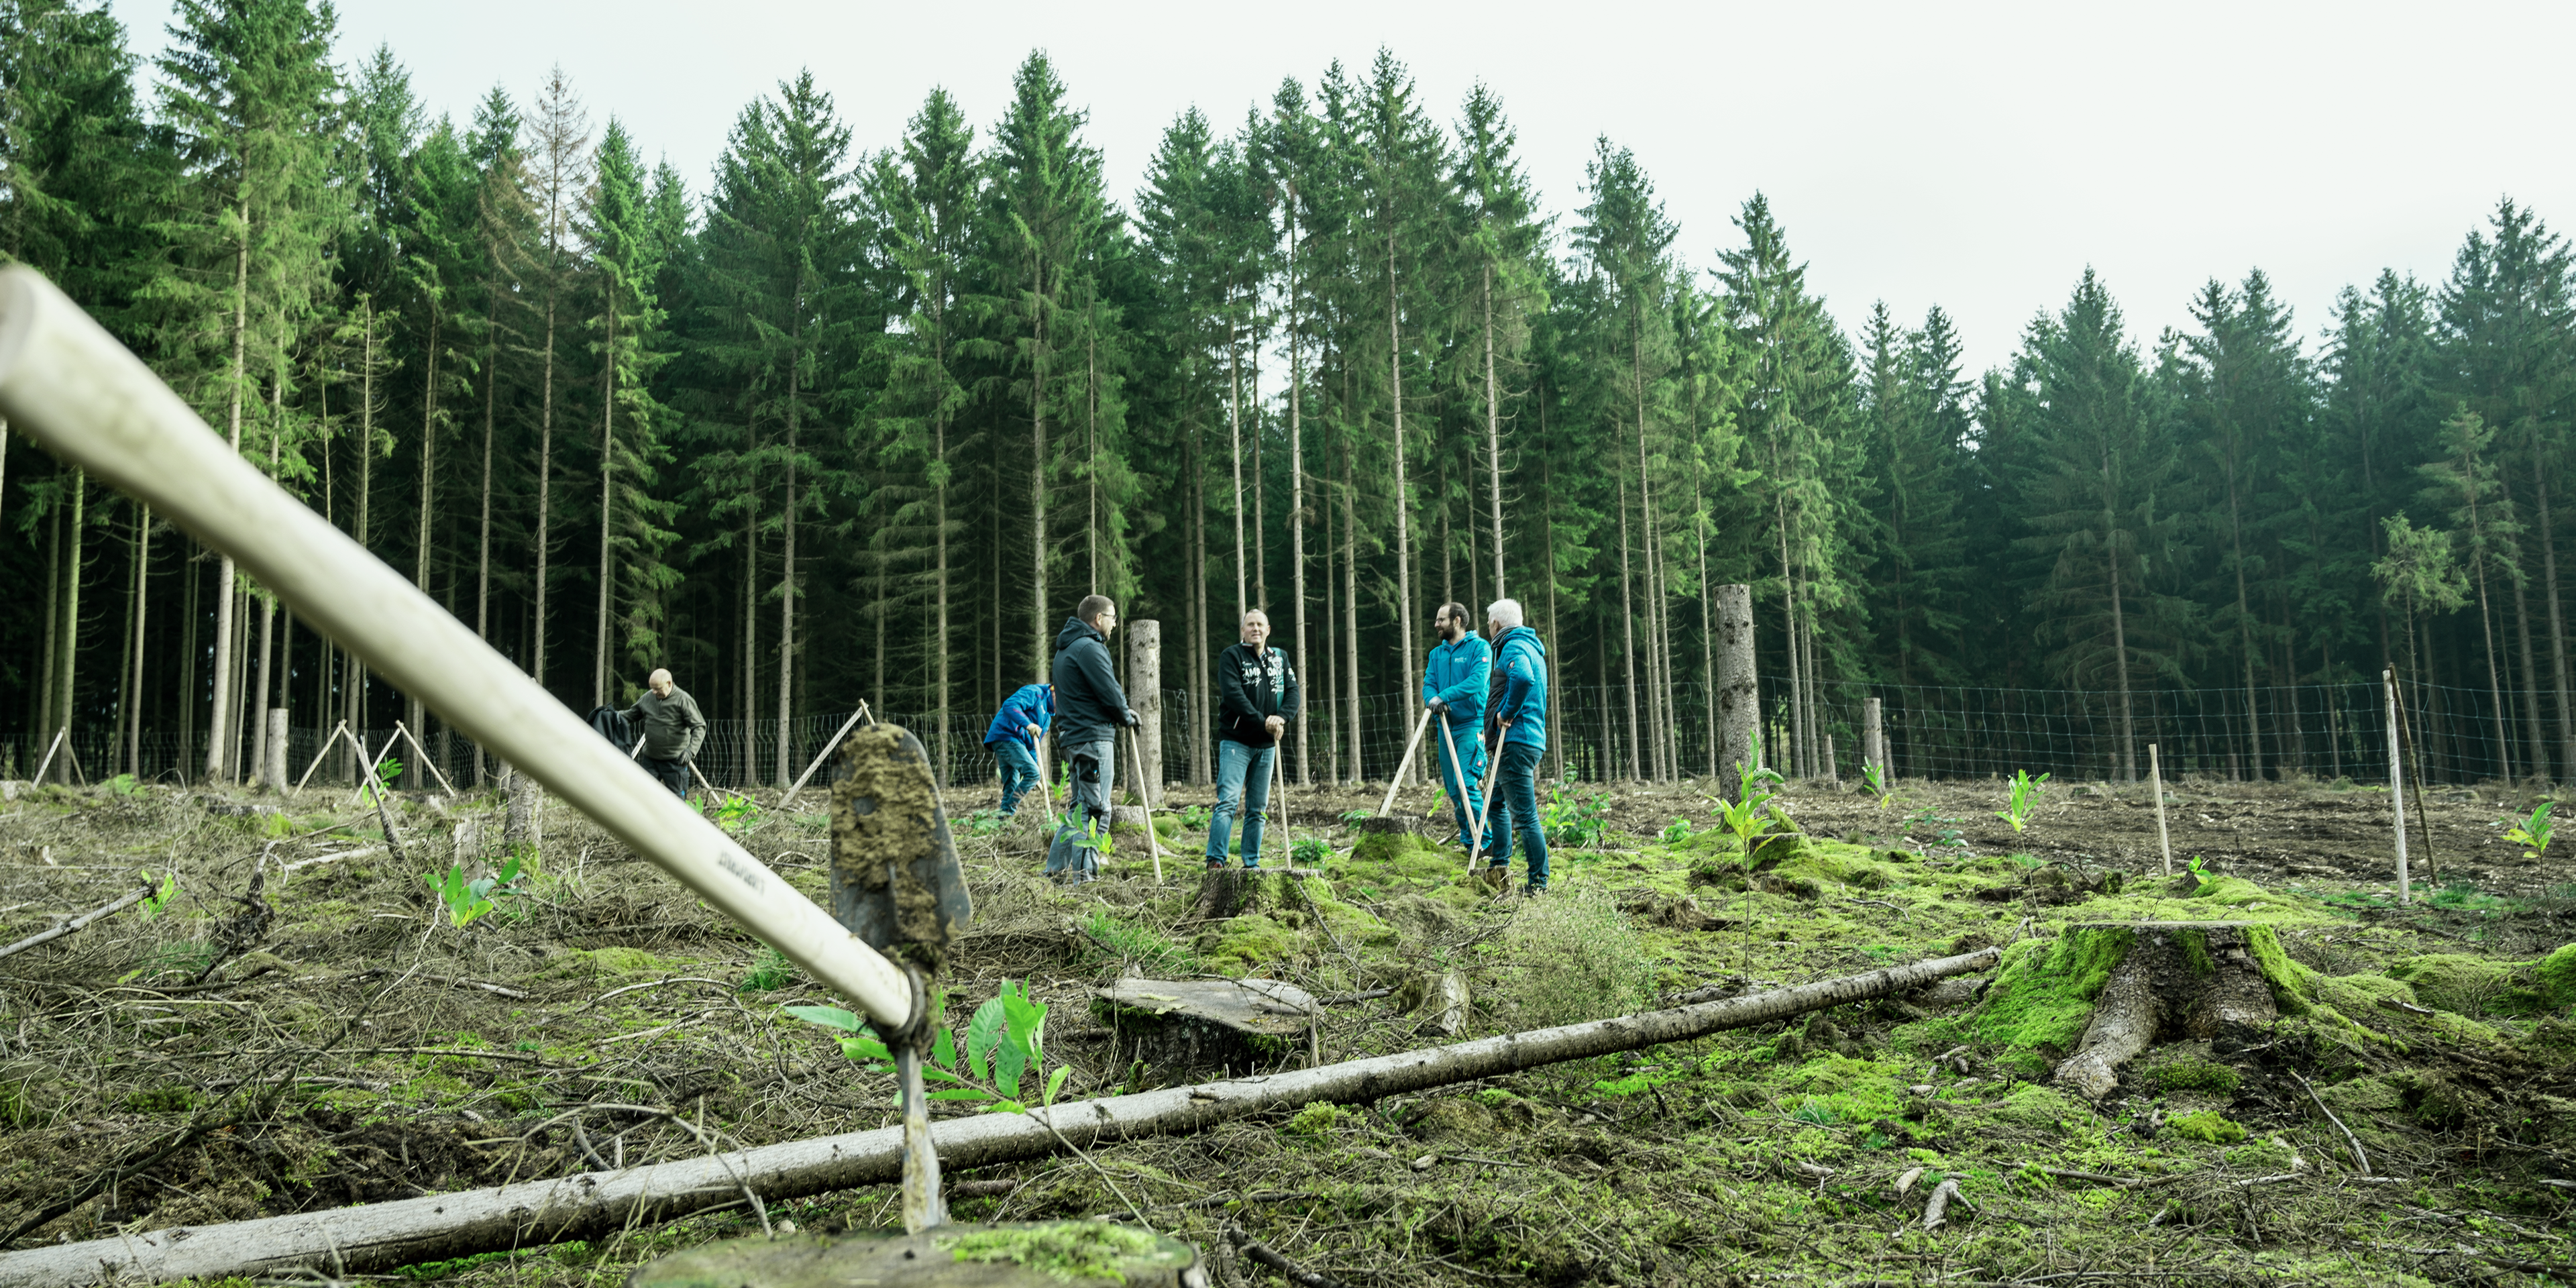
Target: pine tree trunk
{"points": [[607, 470], [1351, 612], [2486, 615], [42, 700], [66, 672], [142, 606], [1628, 634], [2534, 746], [1788, 628], [259, 756], [1234, 426], [545, 498], [2244, 627], [2557, 619], [750, 647], [218, 720], [483, 541], [192, 588], [1202, 709], [1403, 489], [1493, 435], [1296, 503], [939, 593], [1038, 653], [787, 593], [413, 710]]}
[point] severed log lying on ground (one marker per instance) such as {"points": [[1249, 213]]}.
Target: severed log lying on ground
{"points": [[373, 1238]]}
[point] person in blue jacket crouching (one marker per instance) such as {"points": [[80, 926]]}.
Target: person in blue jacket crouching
{"points": [[1014, 735]]}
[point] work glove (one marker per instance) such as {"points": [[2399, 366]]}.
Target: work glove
{"points": [[1134, 721], [1439, 706]]}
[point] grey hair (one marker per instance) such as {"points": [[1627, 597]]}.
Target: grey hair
{"points": [[1506, 611]]}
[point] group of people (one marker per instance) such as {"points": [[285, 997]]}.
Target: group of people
{"points": [[1488, 696]]}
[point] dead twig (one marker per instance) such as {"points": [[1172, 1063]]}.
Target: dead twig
{"points": [[76, 924], [2348, 1137], [1289, 1270]]}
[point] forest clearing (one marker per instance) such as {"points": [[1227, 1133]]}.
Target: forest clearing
{"points": [[598, 1017]]}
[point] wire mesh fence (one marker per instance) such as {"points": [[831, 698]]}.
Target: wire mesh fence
{"points": [[2326, 732]]}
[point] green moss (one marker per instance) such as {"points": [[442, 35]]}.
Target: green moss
{"points": [[2043, 995], [2038, 1106], [2233, 892], [2557, 976], [2206, 1125], [1066, 1250], [2467, 985], [1241, 943], [2194, 1075], [1831, 863], [2195, 952], [1317, 1119], [2289, 980]]}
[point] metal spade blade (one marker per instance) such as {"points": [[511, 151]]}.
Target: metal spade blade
{"points": [[897, 885]]}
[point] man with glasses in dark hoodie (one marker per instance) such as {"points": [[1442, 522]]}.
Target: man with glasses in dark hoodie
{"points": [[1090, 708]]}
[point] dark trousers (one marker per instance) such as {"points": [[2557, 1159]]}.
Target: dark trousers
{"points": [[672, 773]]}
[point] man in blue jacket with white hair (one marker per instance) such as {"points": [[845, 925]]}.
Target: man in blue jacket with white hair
{"points": [[1453, 687], [1518, 720]]}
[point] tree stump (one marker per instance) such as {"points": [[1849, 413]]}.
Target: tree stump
{"points": [[524, 822], [1041, 1254], [1183, 1026], [2166, 981]]}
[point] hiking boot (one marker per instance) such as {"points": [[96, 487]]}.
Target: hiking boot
{"points": [[1216, 865]]}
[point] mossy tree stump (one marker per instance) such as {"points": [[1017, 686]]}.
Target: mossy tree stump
{"points": [[2162, 981], [1180, 1026], [1050, 1254]]}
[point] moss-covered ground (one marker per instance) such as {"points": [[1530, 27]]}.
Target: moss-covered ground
{"points": [[426, 1057]]}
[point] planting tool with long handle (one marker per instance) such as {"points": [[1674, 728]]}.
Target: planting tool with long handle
{"points": [[1407, 763], [1458, 774], [80, 395], [897, 885], [1485, 816], [1136, 784]]}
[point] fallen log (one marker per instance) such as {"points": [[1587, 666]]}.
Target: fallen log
{"points": [[374, 1238]]}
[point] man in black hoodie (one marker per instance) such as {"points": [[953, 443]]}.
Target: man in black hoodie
{"points": [[1257, 698], [1089, 705]]}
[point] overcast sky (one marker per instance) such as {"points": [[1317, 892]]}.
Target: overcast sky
{"points": [[1975, 156]]}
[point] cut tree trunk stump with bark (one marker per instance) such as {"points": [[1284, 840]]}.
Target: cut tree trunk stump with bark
{"points": [[1200, 1025], [2164, 981], [1040, 1254]]}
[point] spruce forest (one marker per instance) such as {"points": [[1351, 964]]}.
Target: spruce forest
{"points": [[863, 412], [2131, 867]]}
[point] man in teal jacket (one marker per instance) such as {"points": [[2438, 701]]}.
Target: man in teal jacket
{"points": [[1453, 687], [1519, 723]]}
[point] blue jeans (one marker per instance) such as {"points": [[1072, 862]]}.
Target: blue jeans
{"points": [[1242, 773], [1019, 768], [1516, 806], [1467, 801]]}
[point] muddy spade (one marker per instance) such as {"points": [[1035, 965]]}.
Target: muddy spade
{"points": [[896, 884]]}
